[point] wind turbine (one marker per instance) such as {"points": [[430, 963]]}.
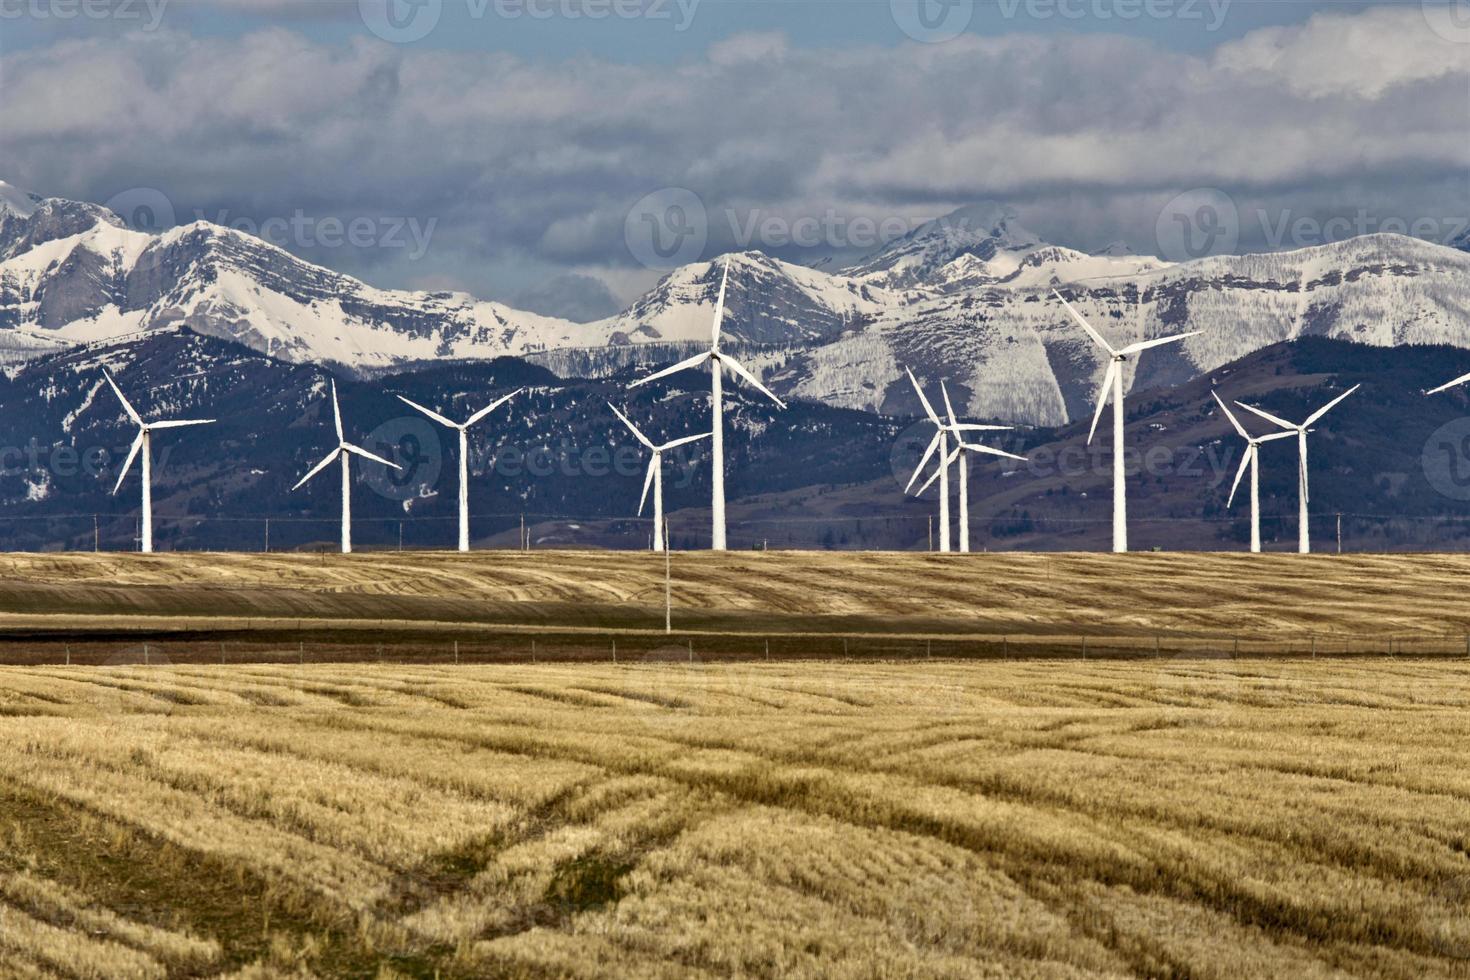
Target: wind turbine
{"points": [[1251, 459], [144, 444], [960, 449], [344, 451], [954, 428], [1304, 532], [717, 361], [655, 474], [464, 455], [1113, 383], [941, 443]]}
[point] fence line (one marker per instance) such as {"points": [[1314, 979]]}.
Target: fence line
{"points": [[634, 647]]}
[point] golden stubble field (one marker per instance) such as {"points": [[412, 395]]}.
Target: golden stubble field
{"points": [[1191, 818], [1218, 594]]}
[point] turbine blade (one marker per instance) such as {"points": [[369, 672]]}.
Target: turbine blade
{"points": [[179, 423], [990, 451], [490, 408], [1315, 416], [1274, 436], [1143, 345], [714, 340], [132, 455], [924, 460], [1446, 387], [973, 427], [426, 411], [680, 442], [937, 470], [928, 409], [336, 411], [127, 406], [1085, 325], [359, 451], [1231, 416], [1245, 461], [1269, 417], [653, 466], [683, 365], [632, 428], [739, 369], [331, 457], [954, 423], [1102, 399]]}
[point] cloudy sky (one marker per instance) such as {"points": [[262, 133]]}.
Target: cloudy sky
{"points": [[494, 145]]}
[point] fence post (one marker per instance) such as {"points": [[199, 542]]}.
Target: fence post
{"points": [[615, 651], [768, 649], [456, 651], [68, 654], [221, 652], [301, 651], [533, 649], [145, 653]]}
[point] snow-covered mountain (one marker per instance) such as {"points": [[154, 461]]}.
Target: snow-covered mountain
{"points": [[966, 297]]}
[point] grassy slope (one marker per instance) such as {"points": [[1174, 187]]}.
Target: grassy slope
{"points": [[1207, 595], [1224, 819]]}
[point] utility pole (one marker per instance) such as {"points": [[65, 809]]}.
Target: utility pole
{"points": [[1339, 534], [267, 535], [931, 532], [400, 535], [668, 588], [96, 536], [523, 532]]}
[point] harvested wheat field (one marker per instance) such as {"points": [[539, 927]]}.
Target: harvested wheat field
{"points": [[1286, 599], [1189, 818]]}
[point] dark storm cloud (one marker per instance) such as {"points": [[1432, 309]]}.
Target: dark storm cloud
{"points": [[530, 169]]}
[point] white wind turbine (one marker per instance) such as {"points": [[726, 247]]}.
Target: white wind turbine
{"points": [[717, 361], [344, 451], [960, 450], [655, 475], [144, 444], [1113, 384], [1251, 459], [464, 455], [1448, 385], [943, 430], [1304, 496]]}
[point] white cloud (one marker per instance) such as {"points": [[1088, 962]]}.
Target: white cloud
{"points": [[533, 166]]}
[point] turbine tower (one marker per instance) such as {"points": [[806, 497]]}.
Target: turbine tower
{"points": [[1113, 385], [655, 475], [144, 444], [464, 455], [718, 360], [344, 451], [961, 455], [1251, 459], [1304, 496], [960, 450]]}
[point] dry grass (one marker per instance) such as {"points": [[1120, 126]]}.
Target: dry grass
{"points": [[1018, 594], [1190, 818]]}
